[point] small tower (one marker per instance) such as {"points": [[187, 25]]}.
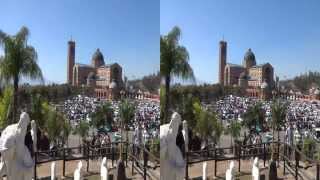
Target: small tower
{"points": [[222, 60], [71, 60]]}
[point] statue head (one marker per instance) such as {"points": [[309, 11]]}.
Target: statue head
{"points": [[255, 162], [185, 125], [231, 165], [104, 162], [175, 122], [79, 165], [24, 121], [33, 124]]}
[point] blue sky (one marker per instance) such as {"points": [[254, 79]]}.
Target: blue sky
{"points": [[126, 32], [285, 33]]}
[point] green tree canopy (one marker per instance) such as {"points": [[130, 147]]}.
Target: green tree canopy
{"points": [[174, 61], [103, 116], [19, 60], [5, 104], [254, 117]]}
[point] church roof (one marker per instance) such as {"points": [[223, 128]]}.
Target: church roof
{"points": [[83, 65], [234, 65], [109, 65]]}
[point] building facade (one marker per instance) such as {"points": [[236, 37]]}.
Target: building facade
{"points": [[106, 79], [258, 80]]}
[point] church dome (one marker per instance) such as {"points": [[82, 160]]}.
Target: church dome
{"points": [[249, 59], [97, 59]]}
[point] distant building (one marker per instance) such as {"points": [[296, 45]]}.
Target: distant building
{"points": [[106, 79], [257, 80]]}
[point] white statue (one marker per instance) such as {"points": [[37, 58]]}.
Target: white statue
{"points": [[204, 171], [104, 169], [185, 134], [229, 172], [53, 170], [171, 160], [255, 169], [16, 161], [77, 172], [34, 134]]}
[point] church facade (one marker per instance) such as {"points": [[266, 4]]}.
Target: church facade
{"points": [[106, 79], [256, 79]]}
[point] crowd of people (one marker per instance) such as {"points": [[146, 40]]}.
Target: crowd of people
{"points": [[146, 119], [302, 116]]}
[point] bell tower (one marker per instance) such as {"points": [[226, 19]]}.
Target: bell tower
{"points": [[222, 60], [71, 59]]}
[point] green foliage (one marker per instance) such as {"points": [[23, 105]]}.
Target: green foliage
{"points": [[36, 110], [279, 111], [54, 123], [67, 129], [155, 147], [162, 104], [254, 117], [174, 62], [149, 83], [82, 129], [305, 81], [234, 129], [126, 112], [19, 60], [5, 101], [309, 146], [103, 116], [205, 92], [51, 93], [207, 125]]}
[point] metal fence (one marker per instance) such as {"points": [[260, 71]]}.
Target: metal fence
{"points": [[138, 155], [291, 158]]}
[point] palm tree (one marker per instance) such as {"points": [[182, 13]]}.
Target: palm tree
{"points": [[234, 130], [279, 111], [103, 116], [174, 61], [5, 101], [19, 60], [82, 129], [254, 117], [126, 112]]}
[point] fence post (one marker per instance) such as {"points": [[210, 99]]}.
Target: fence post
{"points": [[64, 163], [284, 159], [278, 151], [35, 166], [144, 164], [318, 171], [297, 164], [239, 157], [187, 175], [264, 154], [215, 162], [127, 154], [133, 158], [88, 157], [112, 153]]}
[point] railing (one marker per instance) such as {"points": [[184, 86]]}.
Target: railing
{"points": [[110, 151], [290, 155]]}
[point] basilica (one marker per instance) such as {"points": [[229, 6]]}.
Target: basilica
{"points": [[105, 79], [256, 79]]}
